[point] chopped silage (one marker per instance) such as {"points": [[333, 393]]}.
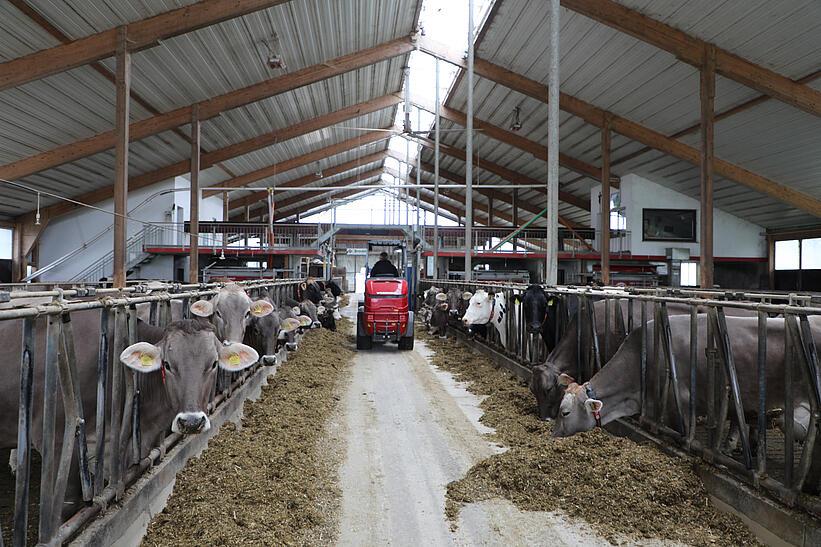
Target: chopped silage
{"points": [[625, 491], [270, 481]]}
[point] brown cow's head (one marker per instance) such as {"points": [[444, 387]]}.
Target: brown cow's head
{"points": [[188, 356], [231, 311], [576, 411]]}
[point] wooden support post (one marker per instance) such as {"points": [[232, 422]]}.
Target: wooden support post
{"points": [[707, 95], [490, 211], [225, 207], [605, 201], [194, 253], [123, 83]]}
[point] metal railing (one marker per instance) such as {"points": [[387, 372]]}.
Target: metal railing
{"points": [[530, 240], [104, 266], [235, 236], [778, 464], [107, 457]]}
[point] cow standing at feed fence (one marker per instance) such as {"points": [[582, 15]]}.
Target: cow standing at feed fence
{"points": [[438, 322], [178, 365], [542, 314], [614, 391], [544, 382], [458, 301], [488, 309], [263, 334]]}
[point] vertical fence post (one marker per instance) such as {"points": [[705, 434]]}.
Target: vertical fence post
{"points": [[23, 463], [46, 530], [762, 394], [106, 317], [691, 432], [643, 360]]}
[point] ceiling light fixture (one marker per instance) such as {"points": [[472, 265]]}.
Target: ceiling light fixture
{"points": [[516, 125]]}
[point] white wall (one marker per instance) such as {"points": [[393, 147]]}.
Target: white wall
{"points": [[72, 230], [733, 236]]}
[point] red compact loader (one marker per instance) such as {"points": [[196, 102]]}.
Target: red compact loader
{"points": [[385, 315]]}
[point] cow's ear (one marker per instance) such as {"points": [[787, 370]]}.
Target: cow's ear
{"points": [[289, 324], [142, 357], [202, 308], [593, 405], [565, 379], [261, 308], [296, 310], [467, 295], [517, 299], [235, 357], [304, 321]]}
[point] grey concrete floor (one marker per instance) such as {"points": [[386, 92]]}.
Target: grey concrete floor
{"points": [[410, 429]]}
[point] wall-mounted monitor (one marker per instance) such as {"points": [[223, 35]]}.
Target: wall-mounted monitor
{"points": [[668, 225]]}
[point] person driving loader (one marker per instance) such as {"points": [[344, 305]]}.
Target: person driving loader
{"points": [[384, 267]]}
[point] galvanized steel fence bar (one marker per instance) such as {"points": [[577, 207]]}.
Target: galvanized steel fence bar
{"points": [[699, 420], [105, 469]]}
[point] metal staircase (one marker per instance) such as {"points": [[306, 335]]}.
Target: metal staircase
{"points": [[134, 256]]}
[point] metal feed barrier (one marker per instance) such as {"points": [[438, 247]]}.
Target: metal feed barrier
{"points": [[778, 465], [110, 464]]}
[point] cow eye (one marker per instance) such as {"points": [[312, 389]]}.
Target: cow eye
{"points": [[214, 365], [217, 313], [248, 314], [166, 365]]}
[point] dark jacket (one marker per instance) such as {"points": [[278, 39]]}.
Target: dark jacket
{"points": [[384, 268]]}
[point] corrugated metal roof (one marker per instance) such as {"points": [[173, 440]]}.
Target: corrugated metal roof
{"points": [[600, 65], [185, 69], [617, 72]]}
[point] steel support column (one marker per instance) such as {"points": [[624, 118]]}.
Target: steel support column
{"points": [[605, 202], [194, 230], [436, 182], [123, 84], [552, 236], [469, 153]]}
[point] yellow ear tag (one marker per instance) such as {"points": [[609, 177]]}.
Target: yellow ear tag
{"points": [[258, 308], [234, 360], [550, 302], [146, 360]]}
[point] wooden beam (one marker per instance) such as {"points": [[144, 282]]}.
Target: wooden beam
{"points": [[207, 109], [142, 34], [649, 137], [690, 49], [210, 159], [723, 115], [327, 172], [122, 113], [707, 94], [534, 148], [605, 203], [194, 210], [503, 172], [99, 68], [300, 161]]}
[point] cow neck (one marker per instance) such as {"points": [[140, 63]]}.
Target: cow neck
{"points": [[617, 385]]}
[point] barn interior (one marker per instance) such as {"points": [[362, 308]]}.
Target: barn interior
{"points": [[649, 150]]}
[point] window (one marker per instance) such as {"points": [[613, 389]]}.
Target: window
{"points": [[787, 254], [810, 254], [618, 221], [689, 274], [669, 225], [5, 243]]}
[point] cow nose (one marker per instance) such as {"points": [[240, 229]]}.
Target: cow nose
{"points": [[189, 423]]}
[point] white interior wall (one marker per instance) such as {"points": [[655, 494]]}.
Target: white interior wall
{"points": [[733, 237], [157, 204]]}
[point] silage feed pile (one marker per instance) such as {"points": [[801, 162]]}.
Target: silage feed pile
{"points": [[267, 483], [626, 492]]}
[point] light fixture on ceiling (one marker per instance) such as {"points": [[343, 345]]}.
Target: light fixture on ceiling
{"points": [[318, 170], [516, 125], [275, 59]]}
